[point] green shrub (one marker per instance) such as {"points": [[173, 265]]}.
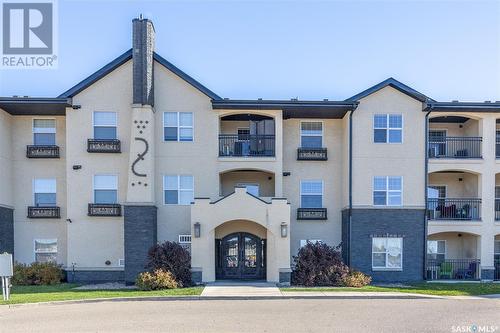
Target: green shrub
{"points": [[173, 258], [318, 264], [157, 280], [37, 274], [356, 279]]}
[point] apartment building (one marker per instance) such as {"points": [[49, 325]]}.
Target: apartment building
{"points": [[140, 152]]}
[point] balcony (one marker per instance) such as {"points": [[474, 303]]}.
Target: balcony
{"points": [[44, 212], [455, 147], [104, 209], [234, 145], [311, 214], [453, 269], [103, 146], [35, 151], [454, 209], [312, 154]]}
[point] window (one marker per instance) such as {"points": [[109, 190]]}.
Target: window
{"points": [[105, 189], [44, 132], [253, 189], [303, 242], [437, 192], [311, 134], [178, 126], [387, 253], [387, 191], [121, 262], [388, 128], [497, 250], [178, 190], [45, 250], [311, 194], [105, 125], [436, 250], [243, 134], [44, 192]]}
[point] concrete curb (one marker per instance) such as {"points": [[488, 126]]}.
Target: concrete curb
{"points": [[378, 296]]}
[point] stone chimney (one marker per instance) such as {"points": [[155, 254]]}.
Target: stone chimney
{"points": [[143, 40]]}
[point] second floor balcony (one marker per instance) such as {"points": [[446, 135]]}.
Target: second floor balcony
{"points": [[103, 146], [42, 151], [465, 209], [44, 212]]}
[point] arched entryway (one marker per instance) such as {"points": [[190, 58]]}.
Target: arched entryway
{"points": [[240, 255]]}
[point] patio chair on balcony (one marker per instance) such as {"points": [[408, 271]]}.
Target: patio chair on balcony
{"points": [[446, 270], [469, 273]]}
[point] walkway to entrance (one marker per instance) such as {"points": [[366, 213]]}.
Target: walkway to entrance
{"points": [[240, 289]]}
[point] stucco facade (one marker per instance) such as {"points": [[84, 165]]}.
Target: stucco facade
{"points": [[267, 176]]}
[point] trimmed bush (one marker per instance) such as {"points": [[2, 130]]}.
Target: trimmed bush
{"points": [[318, 264], [157, 280], [173, 258], [37, 274], [357, 279]]}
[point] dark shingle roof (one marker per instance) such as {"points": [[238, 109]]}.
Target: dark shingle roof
{"points": [[394, 84]]}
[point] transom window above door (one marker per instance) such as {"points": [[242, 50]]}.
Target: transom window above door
{"points": [[311, 194], [105, 125], [105, 189], [388, 128], [44, 192], [44, 132], [311, 134], [177, 126]]}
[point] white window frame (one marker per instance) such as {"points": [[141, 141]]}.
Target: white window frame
{"points": [[178, 189], [238, 132], [438, 240], [303, 242], [322, 131], [117, 185], [387, 191], [440, 185], [185, 239], [388, 128], [44, 240], [386, 268], [178, 126], [312, 181], [48, 132], [33, 189], [94, 124]]}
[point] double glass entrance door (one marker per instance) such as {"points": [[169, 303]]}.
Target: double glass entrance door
{"points": [[240, 256]]}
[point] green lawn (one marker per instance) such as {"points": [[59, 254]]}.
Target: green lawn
{"points": [[65, 291], [441, 289]]}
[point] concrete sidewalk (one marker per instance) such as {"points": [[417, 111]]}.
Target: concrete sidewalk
{"points": [[241, 289]]}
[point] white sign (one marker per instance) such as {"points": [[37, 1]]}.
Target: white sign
{"points": [[6, 268]]}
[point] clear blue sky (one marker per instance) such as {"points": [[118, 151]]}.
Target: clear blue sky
{"points": [[283, 49]]}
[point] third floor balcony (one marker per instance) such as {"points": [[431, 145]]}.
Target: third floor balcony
{"points": [[454, 137], [247, 135]]}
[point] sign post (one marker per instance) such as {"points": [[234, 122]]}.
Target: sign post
{"points": [[6, 272]]}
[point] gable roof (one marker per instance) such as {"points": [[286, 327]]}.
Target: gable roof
{"points": [[392, 82], [123, 58]]}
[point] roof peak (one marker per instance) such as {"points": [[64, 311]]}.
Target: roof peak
{"points": [[392, 82]]}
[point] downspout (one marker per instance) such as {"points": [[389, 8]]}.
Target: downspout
{"points": [[426, 180], [350, 189]]}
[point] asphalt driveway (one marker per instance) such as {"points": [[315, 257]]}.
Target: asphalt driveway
{"points": [[271, 315]]}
